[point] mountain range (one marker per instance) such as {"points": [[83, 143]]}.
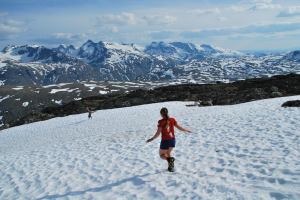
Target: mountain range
{"points": [[158, 61]]}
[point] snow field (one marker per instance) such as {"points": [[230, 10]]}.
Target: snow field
{"points": [[245, 151]]}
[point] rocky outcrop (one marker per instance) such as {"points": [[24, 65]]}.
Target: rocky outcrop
{"points": [[218, 94], [295, 103]]}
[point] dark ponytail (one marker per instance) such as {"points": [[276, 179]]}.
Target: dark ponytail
{"points": [[164, 112]]}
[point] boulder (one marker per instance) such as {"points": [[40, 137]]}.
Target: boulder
{"points": [[295, 103], [206, 103], [276, 94]]}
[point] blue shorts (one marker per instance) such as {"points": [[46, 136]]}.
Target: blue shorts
{"points": [[165, 144]]}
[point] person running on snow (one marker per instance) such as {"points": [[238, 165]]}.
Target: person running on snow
{"points": [[166, 129]]}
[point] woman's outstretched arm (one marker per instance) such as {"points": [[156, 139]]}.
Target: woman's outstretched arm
{"points": [[155, 135], [181, 128]]}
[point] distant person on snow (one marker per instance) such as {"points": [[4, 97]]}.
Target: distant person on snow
{"points": [[90, 112], [166, 129]]}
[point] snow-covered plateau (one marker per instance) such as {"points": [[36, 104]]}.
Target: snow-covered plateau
{"points": [[244, 151]]}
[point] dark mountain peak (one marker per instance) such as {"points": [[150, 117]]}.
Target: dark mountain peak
{"points": [[293, 56], [159, 44], [295, 53], [69, 50], [89, 42], [91, 52], [64, 46]]}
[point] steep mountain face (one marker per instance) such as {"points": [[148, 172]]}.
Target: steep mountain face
{"points": [[162, 49], [92, 53], [68, 50], [116, 61], [178, 51], [187, 51], [127, 62], [26, 53], [38, 65], [293, 56]]}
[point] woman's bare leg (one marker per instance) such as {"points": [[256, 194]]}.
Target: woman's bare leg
{"points": [[163, 154], [169, 151]]}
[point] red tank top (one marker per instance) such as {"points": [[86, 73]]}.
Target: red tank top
{"points": [[167, 128]]}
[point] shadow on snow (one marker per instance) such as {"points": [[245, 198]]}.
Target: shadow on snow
{"points": [[136, 180]]}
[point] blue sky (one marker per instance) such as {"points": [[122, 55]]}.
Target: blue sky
{"points": [[233, 24]]}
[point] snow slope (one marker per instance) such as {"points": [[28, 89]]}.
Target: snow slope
{"points": [[246, 151]]}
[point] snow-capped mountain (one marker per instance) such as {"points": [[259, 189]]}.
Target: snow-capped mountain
{"points": [[128, 62], [92, 53], [38, 65], [102, 52], [186, 51], [293, 56], [162, 49], [67, 49], [27, 53]]}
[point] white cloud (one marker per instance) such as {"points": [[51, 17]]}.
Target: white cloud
{"points": [[243, 30], [161, 35], [69, 36], [126, 23], [9, 27], [290, 12], [207, 11], [238, 8], [124, 18], [264, 5], [114, 21], [114, 29], [222, 19], [62, 38], [159, 19], [263, 35], [263, 1]]}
